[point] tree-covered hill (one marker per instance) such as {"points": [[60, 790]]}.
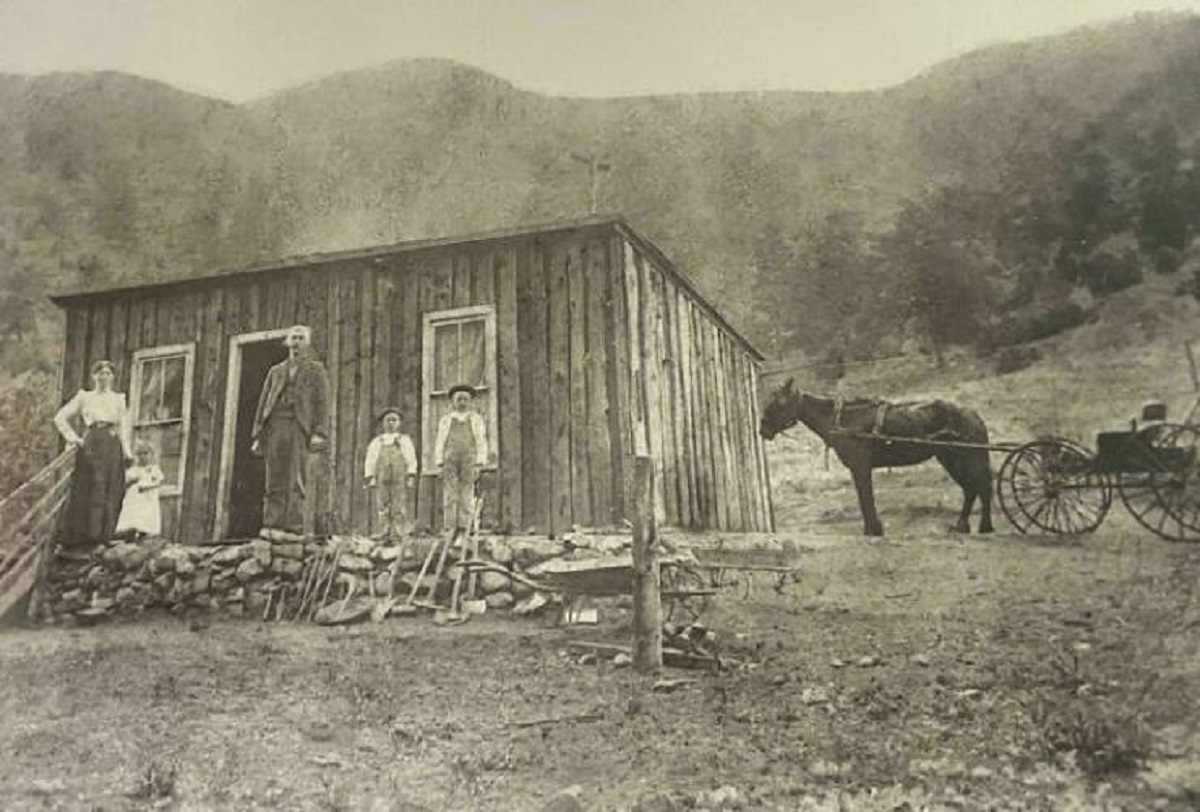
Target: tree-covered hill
{"points": [[823, 222]]}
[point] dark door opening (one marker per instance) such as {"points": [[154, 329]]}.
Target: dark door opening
{"points": [[246, 493]]}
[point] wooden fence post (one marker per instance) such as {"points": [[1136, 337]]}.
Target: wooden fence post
{"points": [[647, 601]]}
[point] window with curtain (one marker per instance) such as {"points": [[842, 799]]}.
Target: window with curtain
{"points": [[160, 398], [459, 346]]}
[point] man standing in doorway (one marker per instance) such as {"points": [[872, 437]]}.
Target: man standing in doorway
{"points": [[292, 420]]}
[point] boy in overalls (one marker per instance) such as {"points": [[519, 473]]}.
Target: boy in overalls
{"points": [[459, 452], [390, 468]]}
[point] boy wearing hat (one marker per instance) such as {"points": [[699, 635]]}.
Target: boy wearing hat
{"points": [[390, 467], [459, 451]]}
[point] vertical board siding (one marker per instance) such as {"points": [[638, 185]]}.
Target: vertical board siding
{"points": [[620, 422], [364, 384], [533, 336], [601, 353], [596, 399], [559, 359], [580, 471], [508, 359]]}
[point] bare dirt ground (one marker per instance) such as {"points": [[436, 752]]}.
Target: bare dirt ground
{"points": [[926, 669], [922, 671]]}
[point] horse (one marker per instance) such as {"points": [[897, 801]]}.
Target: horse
{"points": [[870, 434]]}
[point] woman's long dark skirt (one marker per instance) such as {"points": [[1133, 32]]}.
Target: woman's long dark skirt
{"points": [[97, 488]]}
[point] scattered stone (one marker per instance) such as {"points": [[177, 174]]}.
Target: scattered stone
{"points": [[164, 582], [588, 658], [352, 562], [288, 549], [174, 558], [249, 569], [491, 582], [499, 551], [814, 696], [127, 557], [622, 660], [836, 663], [288, 567], [825, 769], [201, 582], [387, 553], [124, 596], [499, 600], [236, 596], [667, 686], [261, 550], [725, 797], [920, 659], [566, 800], [868, 662], [228, 556], [981, 772], [534, 603]]}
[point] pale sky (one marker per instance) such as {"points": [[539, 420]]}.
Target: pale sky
{"points": [[239, 49]]}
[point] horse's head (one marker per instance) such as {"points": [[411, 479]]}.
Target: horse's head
{"points": [[781, 412]]}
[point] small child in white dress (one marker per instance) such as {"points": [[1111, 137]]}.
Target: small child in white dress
{"points": [[140, 514]]}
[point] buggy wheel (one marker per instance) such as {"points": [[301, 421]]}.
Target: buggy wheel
{"points": [[1162, 488], [1052, 485]]}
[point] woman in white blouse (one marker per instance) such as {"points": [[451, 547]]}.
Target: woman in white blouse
{"points": [[98, 484]]}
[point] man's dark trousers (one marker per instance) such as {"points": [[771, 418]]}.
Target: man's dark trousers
{"points": [[286, 458]]}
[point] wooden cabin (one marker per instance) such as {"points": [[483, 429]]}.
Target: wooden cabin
{"points": [[587, 344]]}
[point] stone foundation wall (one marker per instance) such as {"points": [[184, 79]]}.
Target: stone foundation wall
{"points": [[124, 579]]}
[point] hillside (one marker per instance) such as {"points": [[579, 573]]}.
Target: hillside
{"points": [[109, 177]]}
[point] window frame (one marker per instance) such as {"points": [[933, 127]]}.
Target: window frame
{"points": [[140, 357], [431, 320]]}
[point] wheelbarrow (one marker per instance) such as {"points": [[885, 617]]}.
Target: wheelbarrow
{"points": [[607, 578]]}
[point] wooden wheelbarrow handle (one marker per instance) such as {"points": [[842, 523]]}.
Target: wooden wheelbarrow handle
{"points": [[478, 565]]}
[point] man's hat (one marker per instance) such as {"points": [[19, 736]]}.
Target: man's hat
{"points": [[462, 387], [391, 410]]}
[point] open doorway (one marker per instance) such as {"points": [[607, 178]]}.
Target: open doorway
{"points": [[240, 489]]}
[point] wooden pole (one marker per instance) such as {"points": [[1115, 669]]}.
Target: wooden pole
{"points": [[647, 603]]}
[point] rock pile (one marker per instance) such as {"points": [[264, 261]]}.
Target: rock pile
{"points": [[121, 578]]}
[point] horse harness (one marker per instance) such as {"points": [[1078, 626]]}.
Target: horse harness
{"points": [[839, 403]]}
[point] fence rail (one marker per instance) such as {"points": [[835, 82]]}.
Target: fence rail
{"points": [[27, 519]]}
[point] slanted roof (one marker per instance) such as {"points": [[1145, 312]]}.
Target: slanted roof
{"points": [[319, 258]]}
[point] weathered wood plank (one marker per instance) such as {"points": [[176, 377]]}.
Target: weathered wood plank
{"points": [[232, 300], [635, 318], [406, 361], [97, 334], [383, 394], [74, 355], [620, 418], [760, 452], [712, 384], [149, 326], [703, 419], [596, 397], [660, 435], [581, 490], [208, 399], [732, 490], [559, 357], [675, 403], [482, 291], [364, 384], [348, 296], [648, 326], [509, 395], [118, 333], [461, 260], [532, 276], [683, 355]]}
